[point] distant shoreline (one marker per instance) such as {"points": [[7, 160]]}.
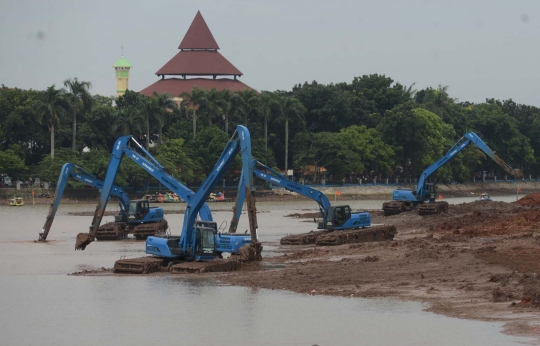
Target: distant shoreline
{"points": [[354, 192]]}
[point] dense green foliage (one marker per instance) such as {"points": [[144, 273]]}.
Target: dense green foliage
{"points": [[370, 127]]}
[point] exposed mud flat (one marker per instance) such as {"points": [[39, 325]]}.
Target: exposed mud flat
{"points": [[481, 260], [332, 238]]}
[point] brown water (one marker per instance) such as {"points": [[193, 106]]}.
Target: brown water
{"points": [[42, 305]]}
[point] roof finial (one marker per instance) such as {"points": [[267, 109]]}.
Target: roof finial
{"points": [[122, 47]]}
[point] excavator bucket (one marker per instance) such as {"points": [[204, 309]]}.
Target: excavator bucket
{"points": [[250, 253], [83, 239]]}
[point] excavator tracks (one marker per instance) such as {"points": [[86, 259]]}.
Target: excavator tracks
{"points": [[112, 231], [148, 265], [140, 265], [329, 238], [395, 207], [143, 231], [432, 208]]}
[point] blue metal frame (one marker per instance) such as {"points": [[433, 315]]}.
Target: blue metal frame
{"points": [[240, 142], [356, 220], [72, 170], [421, 193], [149, 164]]}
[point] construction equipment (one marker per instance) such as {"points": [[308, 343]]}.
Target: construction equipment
{"points": [[198, 239], [403, 200], [333, 217], [353, 227], [149, 164], [224, 242], [135, 215]]}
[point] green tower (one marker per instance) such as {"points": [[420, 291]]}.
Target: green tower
{"points": [[122, 68]]}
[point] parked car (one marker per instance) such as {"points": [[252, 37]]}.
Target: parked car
{"points": [[6, 181]]}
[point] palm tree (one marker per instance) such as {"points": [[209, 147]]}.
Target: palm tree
{"points": [[211, 106], [410, 92], [441, 101], [80, 99], [225, 106], [129, 121], [50, 109], [245, 103], [147, 111], [165, 107], [193, 101], [289, 108], [267, 102]]}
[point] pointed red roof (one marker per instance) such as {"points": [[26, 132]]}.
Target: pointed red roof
{"points": [[200, 63], [198, 56], [176, 86], [198, 35]]}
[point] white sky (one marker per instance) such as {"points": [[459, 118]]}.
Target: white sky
{"points": [[479, 48]]}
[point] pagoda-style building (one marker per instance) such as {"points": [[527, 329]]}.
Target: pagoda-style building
{"points": [[197, 64]]}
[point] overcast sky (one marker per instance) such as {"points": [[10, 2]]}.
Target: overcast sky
{"points": [[479, 48]]}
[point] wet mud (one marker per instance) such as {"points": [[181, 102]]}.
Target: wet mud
{"points": [[480, 260], [333, 238]]}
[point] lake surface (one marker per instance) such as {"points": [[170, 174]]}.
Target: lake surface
{"points": [[42, 305]]}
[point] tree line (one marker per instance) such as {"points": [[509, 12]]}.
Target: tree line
{"points": [[370, 127]]}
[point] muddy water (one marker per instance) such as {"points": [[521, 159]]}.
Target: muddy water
{"points": [[42, 305]]}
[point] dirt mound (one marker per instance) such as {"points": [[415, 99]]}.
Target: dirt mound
{"points": [[531, 200], [486, 219], [526, 221]]}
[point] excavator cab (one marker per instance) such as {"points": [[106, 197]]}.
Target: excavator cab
{"points": [[337, 216], [138, 210], [205, 243], [431, 192]]}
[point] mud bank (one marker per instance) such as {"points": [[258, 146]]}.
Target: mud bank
{"points": [[447, 190], [479, 261]]}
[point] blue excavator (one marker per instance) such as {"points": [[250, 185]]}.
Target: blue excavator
{"points": [[333, 217], [423, 197], [198, 240], [135, 216], [196, 235]]}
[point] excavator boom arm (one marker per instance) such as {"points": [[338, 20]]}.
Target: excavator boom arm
{"points": [[146, 162], [462, 143], [70, 170], [239, 142]]}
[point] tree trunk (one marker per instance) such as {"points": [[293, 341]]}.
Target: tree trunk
{"points": [[160, 133], [74, 134], [147, 134], [52, 141], [194, 116], [245, 119], [227, 123], [265, 133], [286, 146]]}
